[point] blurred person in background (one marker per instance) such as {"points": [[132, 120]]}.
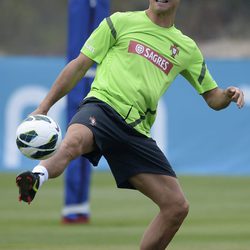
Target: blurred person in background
{"points": [[84, 17], [139, 54]]}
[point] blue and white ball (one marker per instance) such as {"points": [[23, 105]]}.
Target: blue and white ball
{"points": [[38, 137]]}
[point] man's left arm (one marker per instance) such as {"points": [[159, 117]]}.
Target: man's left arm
{"points": [[219, 99], [199, 76]]}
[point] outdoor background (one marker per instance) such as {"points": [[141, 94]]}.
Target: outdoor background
{"points": [[209, 150], [39, 27]]}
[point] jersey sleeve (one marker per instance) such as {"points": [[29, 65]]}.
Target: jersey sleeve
{"points": [[100, 41], [198, 74]]}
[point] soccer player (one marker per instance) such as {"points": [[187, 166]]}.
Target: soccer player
{"points": [[139, 54]]}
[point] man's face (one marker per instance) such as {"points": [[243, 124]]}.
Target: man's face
{"points": [[163, 6]]}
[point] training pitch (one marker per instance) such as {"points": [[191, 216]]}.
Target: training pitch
{"points": [[219, 217]]}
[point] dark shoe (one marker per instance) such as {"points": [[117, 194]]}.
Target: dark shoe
{"points": [[28, 184]]}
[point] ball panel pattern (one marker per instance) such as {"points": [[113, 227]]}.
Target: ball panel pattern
{"points": [[38, 137]]}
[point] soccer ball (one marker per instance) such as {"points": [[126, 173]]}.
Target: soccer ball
{"points": [[38, 137]]}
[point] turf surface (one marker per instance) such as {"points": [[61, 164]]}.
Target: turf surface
{"points": [[219, 217]]}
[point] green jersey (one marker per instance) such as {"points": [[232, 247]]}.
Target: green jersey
{"points": [[137, 61]]}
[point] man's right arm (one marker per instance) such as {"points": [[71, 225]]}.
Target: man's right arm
{"points": [[65, 82]]}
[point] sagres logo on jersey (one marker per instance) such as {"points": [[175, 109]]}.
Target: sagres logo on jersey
{"points": [[175, 50], [154, 57]]}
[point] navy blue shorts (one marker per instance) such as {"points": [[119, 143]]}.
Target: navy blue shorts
{"points": [[127, 151]]}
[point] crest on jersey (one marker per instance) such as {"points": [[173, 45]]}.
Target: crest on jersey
{"points": [[92, 120], [175, 50]]}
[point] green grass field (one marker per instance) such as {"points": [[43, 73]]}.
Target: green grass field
{"points": [[219, 217]]}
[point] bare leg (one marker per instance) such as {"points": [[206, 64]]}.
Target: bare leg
{"points": [[166, 192], [78, 140]]}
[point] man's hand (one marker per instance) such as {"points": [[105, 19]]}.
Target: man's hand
{"points": [[235, 95], [28, 184]]}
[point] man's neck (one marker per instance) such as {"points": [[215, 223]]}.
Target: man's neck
{"points": [[164, 20]]}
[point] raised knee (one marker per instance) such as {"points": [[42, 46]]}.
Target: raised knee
{"points": [[71, 148], [79, 140]]}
